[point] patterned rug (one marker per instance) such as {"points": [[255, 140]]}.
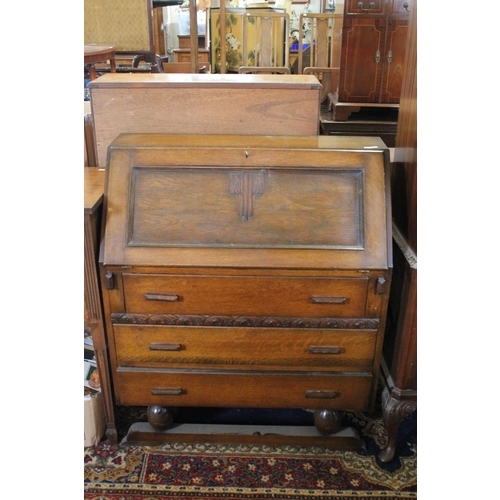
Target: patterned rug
{"points": [[244, 472]]}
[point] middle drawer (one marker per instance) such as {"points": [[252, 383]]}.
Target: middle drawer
{"points": [[302, 349], [245, 295]]}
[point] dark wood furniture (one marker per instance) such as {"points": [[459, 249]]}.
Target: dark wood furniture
{"points": [[185, 41], [400, 347], [373, 53], [246, 271], [94, 180], [202, 104], [379, 122], [93, 198], [95, 53], [183, 53]]}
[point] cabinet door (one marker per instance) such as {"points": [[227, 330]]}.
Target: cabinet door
{"points": [[362, 59], [393, 59], [401, 8]]}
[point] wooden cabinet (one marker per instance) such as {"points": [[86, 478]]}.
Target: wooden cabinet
{"points": [[183, 53], [93, 198], [94, 180], [202, 104], [246, 271], [373, 54]]}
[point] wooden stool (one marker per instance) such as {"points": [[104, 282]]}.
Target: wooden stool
{"points": [[94, 53]]}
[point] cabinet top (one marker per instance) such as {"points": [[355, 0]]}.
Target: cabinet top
{"points": [[93, 181], [209, 80]]}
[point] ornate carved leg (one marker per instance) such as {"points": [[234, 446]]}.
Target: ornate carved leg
{"points": [[327, 421], [393, 412], [159, 417]]}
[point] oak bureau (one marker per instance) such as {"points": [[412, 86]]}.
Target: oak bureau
{"points": [[245, 271]]}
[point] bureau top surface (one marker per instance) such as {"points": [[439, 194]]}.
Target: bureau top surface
{"points": [[204, 80], [93, 182], [312, 142], [248, 201]]}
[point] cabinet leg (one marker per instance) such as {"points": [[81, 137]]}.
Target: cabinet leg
{"points": [[327, 421], [159, 417], [393, 412], [111, 435]]}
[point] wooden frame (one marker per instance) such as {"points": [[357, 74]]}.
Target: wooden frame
{"points": [[324, 51]]}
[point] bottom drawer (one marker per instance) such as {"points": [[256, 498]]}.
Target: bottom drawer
{"points": [[244, 389]]}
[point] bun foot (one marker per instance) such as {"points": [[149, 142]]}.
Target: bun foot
{"points": [[160, 418], [327, 421]]}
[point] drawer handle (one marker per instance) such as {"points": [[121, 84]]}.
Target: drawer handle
{"points": [[166, 391], [159, 346], [362, 6], [322, 394], [324, 349], [328, 300], [166, 297]]}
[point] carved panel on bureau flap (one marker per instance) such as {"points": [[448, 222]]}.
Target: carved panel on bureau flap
{"points": [[247, 185], [211, 207]]}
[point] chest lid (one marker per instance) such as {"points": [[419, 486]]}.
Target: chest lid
{"points": [[240, 201]]}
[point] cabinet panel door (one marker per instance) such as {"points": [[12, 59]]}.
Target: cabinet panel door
{"points": [[401, 8], [362, 59], [394, 59]]}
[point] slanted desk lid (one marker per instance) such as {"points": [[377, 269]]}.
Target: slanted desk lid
{"points": [[240, 201]]}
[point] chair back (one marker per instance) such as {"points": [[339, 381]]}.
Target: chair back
{"points": [[265, 42], [126, 24], [319, 53]]}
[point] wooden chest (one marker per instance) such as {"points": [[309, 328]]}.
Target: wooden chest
{"points": [[246, 271], [202, 104]]}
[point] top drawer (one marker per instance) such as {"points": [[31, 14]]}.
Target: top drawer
{"points": [[245, 295]]}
